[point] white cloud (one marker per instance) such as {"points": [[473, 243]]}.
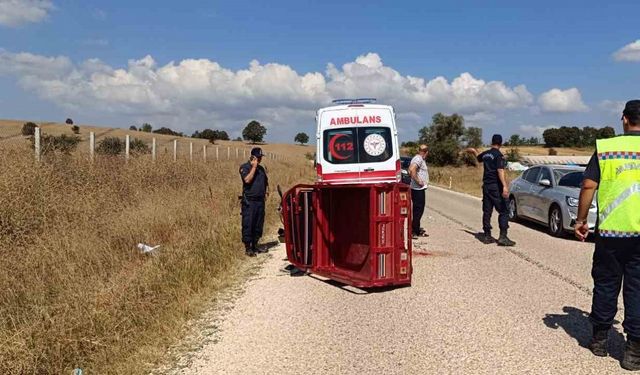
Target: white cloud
{"points": [[613, 107], [533, 130], [14, 13], [194, 93], [563, 101], [630, 52]]}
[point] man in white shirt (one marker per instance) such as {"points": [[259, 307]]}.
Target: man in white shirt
{"points": [[419, 183]]}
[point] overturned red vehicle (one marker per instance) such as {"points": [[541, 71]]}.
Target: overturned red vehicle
{"points": [[353, 224]]}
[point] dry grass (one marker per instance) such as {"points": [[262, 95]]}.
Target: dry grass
{"points": [[463, 179], [543, 151], [76, 292]]}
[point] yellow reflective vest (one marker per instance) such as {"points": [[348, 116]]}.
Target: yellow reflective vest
{"points": [[619, 188]]}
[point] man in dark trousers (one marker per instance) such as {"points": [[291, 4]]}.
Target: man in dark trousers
{"points": [[614, 170], [255, 190], [495, 192]]}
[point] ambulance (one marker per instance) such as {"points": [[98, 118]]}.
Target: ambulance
{"points": [[353, 224], [357, 142]]}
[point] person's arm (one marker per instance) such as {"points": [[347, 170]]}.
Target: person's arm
{"points": [[503, 181], [587, 192], [413, 172], [502, 176], [254, 167]]}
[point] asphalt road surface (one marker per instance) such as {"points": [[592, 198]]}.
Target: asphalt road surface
{"points": [[472, 309]]}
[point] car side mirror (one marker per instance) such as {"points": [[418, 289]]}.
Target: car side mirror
{"points": [[545, 182]]}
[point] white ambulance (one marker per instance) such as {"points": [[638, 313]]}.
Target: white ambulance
{"points": [[357, 142]]}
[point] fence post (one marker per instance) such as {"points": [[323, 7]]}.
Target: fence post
{"points": [[92, 145], [127, 147], [204, 153], [153, 149], [175, 150], [190, 151], [244, 153], [36, 143], [217, 154], [236, 152], [228, 153]]}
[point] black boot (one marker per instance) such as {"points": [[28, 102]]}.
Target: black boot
{"points": [[248, 250], [504, 240], [598, 344], [487, 238], [258, 250], [631, 359]]}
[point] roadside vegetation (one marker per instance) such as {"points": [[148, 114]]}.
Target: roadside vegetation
{"points": [[77, 293]]}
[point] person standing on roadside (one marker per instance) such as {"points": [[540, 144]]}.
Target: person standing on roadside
{"points": [[255, 190], [614, 170], [419, 184], [495, 192]]}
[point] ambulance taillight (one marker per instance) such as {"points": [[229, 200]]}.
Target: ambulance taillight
{"points": [[398, 171], [319, 172]]}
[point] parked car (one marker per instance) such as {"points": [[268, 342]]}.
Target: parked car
{"points": [[405, 161], [548, 194]]}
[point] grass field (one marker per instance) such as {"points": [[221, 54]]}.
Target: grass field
{"points": [[75, 290], [10, 135], [463, 179]]}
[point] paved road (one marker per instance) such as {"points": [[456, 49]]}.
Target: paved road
{"points": [[472, 309]]}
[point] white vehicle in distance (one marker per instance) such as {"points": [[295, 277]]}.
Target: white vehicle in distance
{"points": [[357, 142]]}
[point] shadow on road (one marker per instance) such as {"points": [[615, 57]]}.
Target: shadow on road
{"points": [[478, 235], [543, 229], [575, 323], [356, 290]]}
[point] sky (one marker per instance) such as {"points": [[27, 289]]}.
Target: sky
{"points": [[509, 67]]}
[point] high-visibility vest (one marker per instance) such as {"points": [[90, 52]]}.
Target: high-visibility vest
{"points": [[619, 187]]}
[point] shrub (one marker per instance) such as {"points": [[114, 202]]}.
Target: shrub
{"points": [[468, 159], [57, 143], [29, 128], [69, 121], [75, 129], [138, 147], [553, 152], [513, 154], [110, 146], [133, 128], [310, 156]]}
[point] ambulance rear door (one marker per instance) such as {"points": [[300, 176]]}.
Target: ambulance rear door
{"points": [[357, 143]]}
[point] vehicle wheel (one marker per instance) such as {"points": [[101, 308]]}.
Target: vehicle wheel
{"points": [[513, 209], [556, 227]]}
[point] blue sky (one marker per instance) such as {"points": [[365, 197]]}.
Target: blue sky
{"points": [[188, 64]]}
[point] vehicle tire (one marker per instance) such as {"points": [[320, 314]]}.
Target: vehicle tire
{"points": [[513, 209], [556, 226]]}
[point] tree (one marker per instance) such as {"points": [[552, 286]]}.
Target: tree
{"points": [[146, 128], [29, 128], [69, 121], [301, 138], [443, 136], [254, 132], [133, 127], [515, 140], [473, 137], [167, 131], [211, 135], [237, 139], [533, 141], [606, 132]]}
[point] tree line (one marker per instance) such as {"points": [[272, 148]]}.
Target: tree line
{"points": [[447, 136]]}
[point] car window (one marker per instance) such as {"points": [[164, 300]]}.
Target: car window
{"points": [[545, 174], [573, 179], [524, 174], [351, 145], [374, 144], [533, 174], [339, 146]]}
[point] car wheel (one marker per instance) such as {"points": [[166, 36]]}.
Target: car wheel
{"points": [[556, 227], [513, 209]]}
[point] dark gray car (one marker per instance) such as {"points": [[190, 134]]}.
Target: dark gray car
{"points": [[548, 194]]}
